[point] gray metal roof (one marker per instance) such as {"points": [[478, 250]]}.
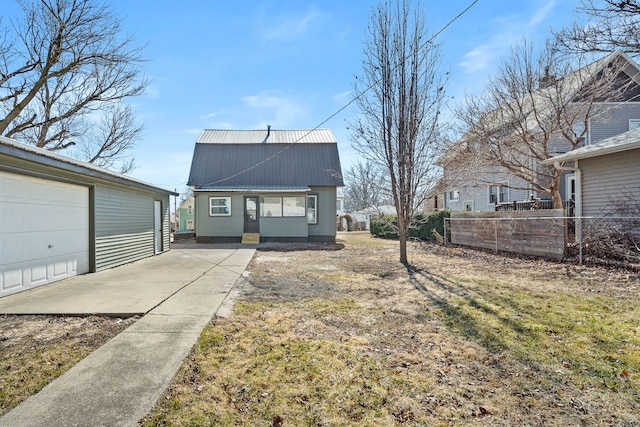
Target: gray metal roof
{"points": [[622, 142], [301, 136], [17, 149], [271, 166]]}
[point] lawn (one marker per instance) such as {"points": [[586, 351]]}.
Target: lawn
{"points": [[344, 335]]}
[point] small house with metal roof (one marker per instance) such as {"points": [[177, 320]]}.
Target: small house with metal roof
{"points": [[60, 217], [265, 185]]}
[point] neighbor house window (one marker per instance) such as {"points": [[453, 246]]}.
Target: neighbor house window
{"points": [[634, 124], [454, 195], [581, 134], [219, 206], [498, 194], [312, 209], [189, 224], [189, 210], [271, 206]]}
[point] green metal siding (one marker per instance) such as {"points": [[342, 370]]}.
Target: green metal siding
{"points": [[121, 217], [124, 225], [219, 226], [326, 225]]}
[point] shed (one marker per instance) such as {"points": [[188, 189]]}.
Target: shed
{"points": [[60, 217]]}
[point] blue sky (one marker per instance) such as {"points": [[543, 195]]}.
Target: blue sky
{"points": [[291, 64]]}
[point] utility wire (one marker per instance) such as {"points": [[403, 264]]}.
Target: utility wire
{"points": [[344, 107]]}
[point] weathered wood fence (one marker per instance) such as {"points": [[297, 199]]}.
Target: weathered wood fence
{"points": [[538, 233]]}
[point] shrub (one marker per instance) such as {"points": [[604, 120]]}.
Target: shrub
{"points": [[422, 227]]}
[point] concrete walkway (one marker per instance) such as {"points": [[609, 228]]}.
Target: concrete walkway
{"points": [[119, 383]]}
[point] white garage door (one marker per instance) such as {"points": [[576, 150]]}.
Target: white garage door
{"points": [[44, 232]]}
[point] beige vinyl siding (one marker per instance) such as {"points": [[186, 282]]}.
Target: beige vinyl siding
{"points": [[607, 178], [219, 226], [326, 224], [124, 225]]}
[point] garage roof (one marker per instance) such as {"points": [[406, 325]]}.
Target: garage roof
{"points": [[34, 154]]}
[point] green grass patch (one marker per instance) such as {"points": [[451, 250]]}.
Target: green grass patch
{"points": [[591, 339]]}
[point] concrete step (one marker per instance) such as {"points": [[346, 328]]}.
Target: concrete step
{"points": [[251, 238]]}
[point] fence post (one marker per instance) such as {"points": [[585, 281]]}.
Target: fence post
{"points": [[495, 228], [445, 231], [579, 237]]}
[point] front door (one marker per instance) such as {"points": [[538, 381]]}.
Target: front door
{"points": [[251, 214]]}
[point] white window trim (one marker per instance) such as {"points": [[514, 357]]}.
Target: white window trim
{"points": [[315, 197], [295, 214], [468, 202], [635, 122], [499, 185], [228, 203], [453, 199]]}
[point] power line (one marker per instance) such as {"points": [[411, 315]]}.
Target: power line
{"points": [[344, 107]]}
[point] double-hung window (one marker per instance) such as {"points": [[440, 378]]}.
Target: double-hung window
{"points": [[498, 194], [219, 206]]}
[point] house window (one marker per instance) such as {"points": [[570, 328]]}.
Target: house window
{"points": [[454, 195], [219, 206], [312, 209], [634, 124], [581, 134], [189, 210], [498, 194], [293, 206], [271, 206], [190, 224]]}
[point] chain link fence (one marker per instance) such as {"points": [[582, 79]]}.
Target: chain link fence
{"points": [[613, 240]]}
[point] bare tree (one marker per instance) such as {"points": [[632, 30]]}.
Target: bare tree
{"points": [[536, 106], [64, 66], [615, 24], [399, 98], [365, 187]]}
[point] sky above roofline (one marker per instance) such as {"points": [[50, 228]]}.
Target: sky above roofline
{"points": [[289, 64]]}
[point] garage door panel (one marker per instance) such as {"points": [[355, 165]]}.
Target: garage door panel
{"points": [[44, 235]]}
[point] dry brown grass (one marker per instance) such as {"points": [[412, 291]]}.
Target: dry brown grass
{"points": [[351, 337], [34, 350]]}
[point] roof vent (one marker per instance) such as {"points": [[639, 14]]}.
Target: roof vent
{"points": [[268, 134]]}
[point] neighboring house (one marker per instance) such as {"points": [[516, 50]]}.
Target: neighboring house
{"points": [[186, 215], [365, 215], [273, 185], [481, 187], [60, 217], [605, 174]]}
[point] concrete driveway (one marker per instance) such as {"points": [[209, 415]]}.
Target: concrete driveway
{"points": [[178, 292], [131, 289]]}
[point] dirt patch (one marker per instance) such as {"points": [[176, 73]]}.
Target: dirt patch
{"points": [[36, 349]]}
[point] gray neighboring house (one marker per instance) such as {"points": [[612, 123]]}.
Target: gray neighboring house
{"points": [[605, 173], [480, 188], [265, 185], [60, 217]]}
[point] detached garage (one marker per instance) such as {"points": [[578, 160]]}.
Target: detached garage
{"points": [[60, 217]]}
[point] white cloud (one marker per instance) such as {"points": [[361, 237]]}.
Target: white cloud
{"points": [[288, 28], [276, 110], [343, 97], [509, 30], [541, 13]]}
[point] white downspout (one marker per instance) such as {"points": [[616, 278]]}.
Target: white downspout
{"points": [[578, 202]]}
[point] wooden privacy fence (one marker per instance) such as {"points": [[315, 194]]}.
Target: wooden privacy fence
{"points": [[538, 233]]}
